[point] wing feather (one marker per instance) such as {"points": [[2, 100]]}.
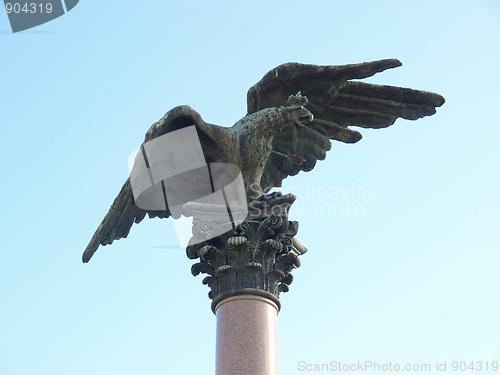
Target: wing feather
{"points": [[337, 103], [124, 212]]}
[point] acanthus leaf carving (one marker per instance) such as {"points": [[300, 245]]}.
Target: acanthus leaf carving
{"points": [[258, 254]]}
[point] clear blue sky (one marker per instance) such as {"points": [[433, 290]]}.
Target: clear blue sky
{"points": [[414, 277]]}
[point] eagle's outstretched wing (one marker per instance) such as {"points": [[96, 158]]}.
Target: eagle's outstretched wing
{"points": [[336, 103], [124, 212]]}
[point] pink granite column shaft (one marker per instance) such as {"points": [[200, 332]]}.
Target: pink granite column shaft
{"points": [[247, 336]]}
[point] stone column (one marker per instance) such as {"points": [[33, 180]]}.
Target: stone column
{"points": [[247, 268], [247, 336]]}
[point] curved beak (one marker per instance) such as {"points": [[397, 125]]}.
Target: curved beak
{"points": [[305, 117]]}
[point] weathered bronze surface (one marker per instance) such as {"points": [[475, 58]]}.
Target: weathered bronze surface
{"points": [[293, 113]]}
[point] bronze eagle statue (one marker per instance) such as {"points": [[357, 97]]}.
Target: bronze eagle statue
{"points": [[293, 113]]}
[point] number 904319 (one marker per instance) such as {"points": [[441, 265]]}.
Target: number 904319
{"points": [[28, 8]]}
